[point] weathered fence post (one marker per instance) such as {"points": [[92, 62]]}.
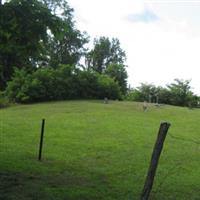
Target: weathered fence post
{"points": [[41, 140], [164, 126]]}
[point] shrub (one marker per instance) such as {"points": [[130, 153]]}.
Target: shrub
{"points": [[18, 87], [107, 87], [134, 95], [65, 82], [3, 100]]}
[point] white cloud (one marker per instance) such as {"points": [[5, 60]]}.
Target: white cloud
{"points": [[162, 54], [157, 52], [146, 16]]}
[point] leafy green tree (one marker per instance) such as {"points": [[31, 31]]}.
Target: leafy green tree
{"points": [[69, 48], [119, 74], [36, 33], [164, 95], [17, 88], [64, 82], [104, 53], [180, 92], [194, 101], [24, 29], [107, 87], [148, 92], [87, 84], [145, 92], [108, 58], [97, 58], [134, 95]]}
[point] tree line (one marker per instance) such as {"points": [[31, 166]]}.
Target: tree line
{"points": [[177, 93], [43, 56], [40, 53]]}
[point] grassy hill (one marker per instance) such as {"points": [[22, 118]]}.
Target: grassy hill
{"points": [[97, 151]]}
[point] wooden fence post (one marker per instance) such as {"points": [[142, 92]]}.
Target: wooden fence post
{"points": [[41, 140], [164, 126]]}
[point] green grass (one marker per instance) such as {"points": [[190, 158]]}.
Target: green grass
{"points": [[96, 151]]}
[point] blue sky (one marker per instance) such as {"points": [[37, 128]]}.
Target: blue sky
{"points": [[146, 16]]}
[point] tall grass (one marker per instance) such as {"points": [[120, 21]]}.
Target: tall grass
{"points": [[97, 151]]}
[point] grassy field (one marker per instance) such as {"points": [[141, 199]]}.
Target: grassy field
{"points": [[96, 151]]}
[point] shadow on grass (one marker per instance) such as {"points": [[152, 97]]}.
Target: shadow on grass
{"points": [[14, 186]]}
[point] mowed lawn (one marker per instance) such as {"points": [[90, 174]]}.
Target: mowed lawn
{"points": [[96, 151]]}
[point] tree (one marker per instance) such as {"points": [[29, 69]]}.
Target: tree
{"points": [[119, 74], [134, 95], [107, 87], [164, 95], [97, 58], [180, 92], [23, 34], [36, 33], [69, 48], [108, 58], [104, 53], [148, 92], [64, 82]]}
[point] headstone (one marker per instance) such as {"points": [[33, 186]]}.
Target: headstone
{"points": [[145, 106], [106, 100]]}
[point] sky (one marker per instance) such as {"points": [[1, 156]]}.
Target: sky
{"points": [[161, 38]]}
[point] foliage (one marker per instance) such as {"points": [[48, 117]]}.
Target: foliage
{"points": [[119, 74], [23, 34], [145, 92], [69, 48], [134, 95], [107, 87], [37, 33], [104, 53], [148, 91], [108, 58], [178, 93], [3, 100], [64, 82]]}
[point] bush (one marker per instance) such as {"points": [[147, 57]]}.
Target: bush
{"points": [[107, 87], [18, 88], [177, 93], [134, 95], [3, 101], [65, 82]]}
